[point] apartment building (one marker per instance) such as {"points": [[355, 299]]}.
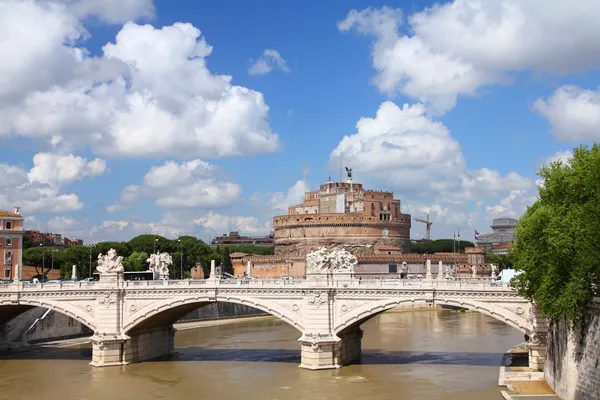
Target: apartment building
{"points": [[11, 242]]}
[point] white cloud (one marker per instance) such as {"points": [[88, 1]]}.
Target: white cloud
{"points": [[39, 189], [513, 205], [562, 156], [280, 201], [149, 94], [458, 47], [574, 113], [403, 148], [190, 184], [60, 170], [268, 61], [220, 224], [112, 11]]}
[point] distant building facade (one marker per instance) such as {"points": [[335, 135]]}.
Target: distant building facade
{"points": [[234, 238], [346, 214], [52, 239], [11, 242], [503, 231]]}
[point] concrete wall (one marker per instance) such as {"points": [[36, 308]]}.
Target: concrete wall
{"points": [[572, 366], [221, 311]]}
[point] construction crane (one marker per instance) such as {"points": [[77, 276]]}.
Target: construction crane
{"points": [[428, 224]]}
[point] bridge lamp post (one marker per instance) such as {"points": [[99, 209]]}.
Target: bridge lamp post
{"points": [[155, 240], [180, 257], [91, 246], [43, 261]]}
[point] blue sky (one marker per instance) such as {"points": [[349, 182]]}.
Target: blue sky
{"points": [[120, 117]]}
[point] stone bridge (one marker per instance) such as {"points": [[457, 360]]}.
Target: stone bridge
{"points": [[133, 321]]}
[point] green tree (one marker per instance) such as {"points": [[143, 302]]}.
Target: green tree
{"points": [[226, 262], [440, 246], [27, 243], [122, 248], [504, 261], [136, 261], [557, 238], [150, 243]]}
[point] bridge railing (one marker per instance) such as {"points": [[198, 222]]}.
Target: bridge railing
{"points": [[346, 282]]}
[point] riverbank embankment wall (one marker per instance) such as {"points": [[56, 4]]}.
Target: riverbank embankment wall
{"points": [[572, 366]]}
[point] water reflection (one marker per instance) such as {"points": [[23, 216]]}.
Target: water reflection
{"points": [[409, 355]]}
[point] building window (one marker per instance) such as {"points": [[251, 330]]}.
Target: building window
{"points": [[7, 273], [8, 242], [8, 258], [384, 217], [393, 268], [8, 225]]}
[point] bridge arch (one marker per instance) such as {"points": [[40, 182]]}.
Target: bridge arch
{"points": [[71, 311], [167, 312], [363, 313]]}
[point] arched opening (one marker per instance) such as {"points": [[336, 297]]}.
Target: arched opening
{"points": [[35, 322], [348, 325], [168, 312], [150, 329]]}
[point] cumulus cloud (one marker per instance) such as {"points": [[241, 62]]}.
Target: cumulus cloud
{"points": [[267, 62], [220, 224], [189, 184], [280, 201], [60, 170], [149, 93], [39, 190], [573, 112], [460, 46], [562, 156], [404, 148], [112, 11]]}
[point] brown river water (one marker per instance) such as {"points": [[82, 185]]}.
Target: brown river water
{"points": [[406, 355]]}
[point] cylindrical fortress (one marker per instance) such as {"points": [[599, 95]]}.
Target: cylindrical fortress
{"points": [[342, 214]]}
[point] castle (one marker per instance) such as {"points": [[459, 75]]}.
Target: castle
{"points": [[344, 214], [368, 223]]}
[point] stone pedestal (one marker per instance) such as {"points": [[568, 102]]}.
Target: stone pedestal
{"points": [[428, 276], [320, 351], [111, 350]]}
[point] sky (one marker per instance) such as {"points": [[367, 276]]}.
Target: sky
{"points": [[124, 117]]}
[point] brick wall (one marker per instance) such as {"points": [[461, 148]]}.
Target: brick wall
{"points": [[572, 366]]}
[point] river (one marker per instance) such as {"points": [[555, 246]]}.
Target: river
{"points": [[406, 355]]}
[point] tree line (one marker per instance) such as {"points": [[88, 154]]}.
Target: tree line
{"points": [[186, 251], [440, 246]]}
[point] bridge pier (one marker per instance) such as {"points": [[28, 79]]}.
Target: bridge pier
{"points": [[320, 351], [329, 351], [111, 350], [537, 345]]}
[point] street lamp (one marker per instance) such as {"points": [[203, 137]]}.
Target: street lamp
{"points": [[155, 240], [43, 262], [180, 257], [91, 247]]}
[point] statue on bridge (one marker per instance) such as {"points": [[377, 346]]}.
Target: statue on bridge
{"points": [[337, 261], [110, 263], [494, 269], [473, 271], [160, 263]]}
